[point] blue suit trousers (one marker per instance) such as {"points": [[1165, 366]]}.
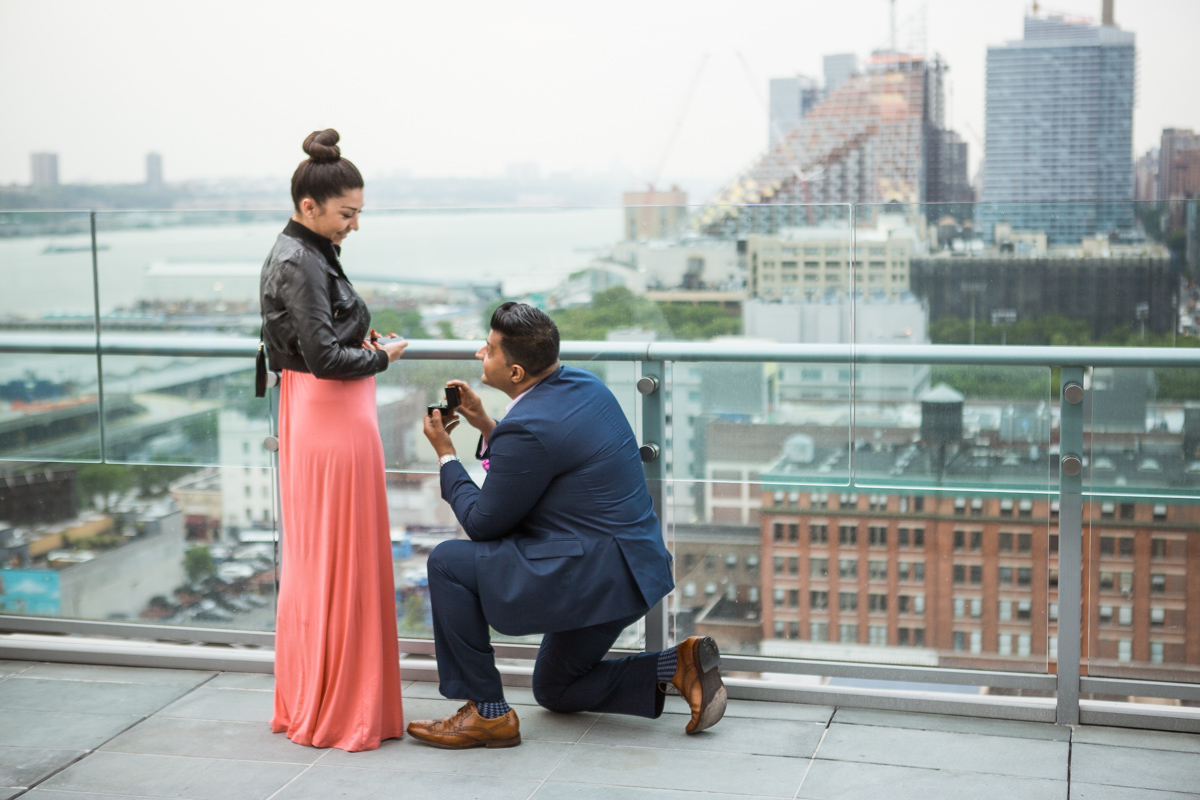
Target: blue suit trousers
{"points": [[570, 674]]}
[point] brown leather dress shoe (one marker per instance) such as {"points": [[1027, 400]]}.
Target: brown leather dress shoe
{"points": [[467, 729], [698, 679]]}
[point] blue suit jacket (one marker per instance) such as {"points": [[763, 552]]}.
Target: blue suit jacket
{"points": [[568, 530]]}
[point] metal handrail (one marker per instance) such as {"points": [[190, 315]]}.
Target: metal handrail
{"points": [[212, 346]]}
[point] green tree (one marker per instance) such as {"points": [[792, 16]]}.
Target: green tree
{"points": [[103, 480], [198, 564], [404, 323]]}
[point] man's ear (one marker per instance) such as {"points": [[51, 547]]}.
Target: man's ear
{"points": [[517, 373]]}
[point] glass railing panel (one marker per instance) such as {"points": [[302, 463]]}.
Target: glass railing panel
{"points": [[49, 403], [1142, 522], [162, 545]]}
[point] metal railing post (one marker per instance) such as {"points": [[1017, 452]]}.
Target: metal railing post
{"points": [[653, 446], [96, 322], [1070, 543]]}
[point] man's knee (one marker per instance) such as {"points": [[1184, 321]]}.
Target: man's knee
{"points": [[445, 557], [549, 695]]}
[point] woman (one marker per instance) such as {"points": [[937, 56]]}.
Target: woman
{"points": [[337, 670]]}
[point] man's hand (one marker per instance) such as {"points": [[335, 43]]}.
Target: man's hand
{"points": [[438, 435], [471, 407]]}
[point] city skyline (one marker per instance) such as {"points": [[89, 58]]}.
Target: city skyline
{"points": [[535, 83]]}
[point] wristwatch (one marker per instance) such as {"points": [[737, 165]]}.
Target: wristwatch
{"points": [[446, 459]]}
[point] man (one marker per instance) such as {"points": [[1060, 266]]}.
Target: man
{"points": [[563, 541]]}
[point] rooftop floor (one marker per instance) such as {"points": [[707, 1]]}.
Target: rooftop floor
{"points": [[72, 732]]}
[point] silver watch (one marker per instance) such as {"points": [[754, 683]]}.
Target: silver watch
{"points": [[446, 459]]}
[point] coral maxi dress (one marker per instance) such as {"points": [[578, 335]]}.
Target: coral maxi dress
{"points": [[337, 666]]}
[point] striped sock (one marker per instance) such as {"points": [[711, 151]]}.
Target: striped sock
{"points": [[667, 660], [492, 710]]}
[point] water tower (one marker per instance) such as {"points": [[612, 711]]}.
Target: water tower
{"points": [[941, 423]]}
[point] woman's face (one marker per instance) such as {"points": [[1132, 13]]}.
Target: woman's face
{"points": [[336, 217]]}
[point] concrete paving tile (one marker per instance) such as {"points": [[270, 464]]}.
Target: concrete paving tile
{"points": [[1135, 768], [843, 780], [91, 672], [207, 738], [9, 792], [1091, 791], [536, 723], [764, 737], [243, 680], [328, 783], [35, 694], [732, 773], [61, 729], [562, 790], [952, 724], [532, 760], [172, 777], [994, 755], [754, 709], [14, 667], [25, 766], [1145, 740], [246, 705], [46, 794]]}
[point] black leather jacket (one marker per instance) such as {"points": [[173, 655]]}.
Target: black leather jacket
{"points": [[313, 320]]}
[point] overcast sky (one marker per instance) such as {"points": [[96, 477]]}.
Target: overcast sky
{"points": [[229, 89]]}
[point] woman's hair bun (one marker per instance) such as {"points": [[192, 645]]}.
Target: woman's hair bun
{"points": [[321, 146]]}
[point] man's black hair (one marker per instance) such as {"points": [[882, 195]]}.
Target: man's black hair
{"points": [[527, 336]]}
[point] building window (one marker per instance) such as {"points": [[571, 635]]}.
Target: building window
{"points": [[1126, 583], [960, 505], [903, 603], [877, 535], [977, 607], [918, 571], [779, 596], [779, 531], [848, 501], [1024, 542], [1125, 650], [1024, 610], [879, 502], [960, 641], [1125, 615], [1126, 546], [1024, 644], [778, 565], [918, 604], [1006, 608], [710, 562], [689, 589], [877, 570], [1054, 543], [751, 563], [977, 574], [818, 500], [877, 635], [976, 540], [848, 534], [1160, 514], [960, 607], [1053, 612], [1006, 508], [1158, 548], [1053, 648], [1158, 583], [793, 566], [793, 532], [731, 560], [848, 601], [1107, 511], [710, 589], [1025, 508], [918, 537], [818, 567], [793, 598], [847, 567], [793, 630], [960, 540], [1004, 644], [1106, 581], [1106, 615], [960, 573], [818, 631], [877, 602], [818, 534], [1156, 652], [1006, 576], [976, 507], [778, 629], [1108, 546], [848, 634], [1006, 542], [1127, 511], [1158, 617], [752, 594], [1024, 576], [818, 601]]}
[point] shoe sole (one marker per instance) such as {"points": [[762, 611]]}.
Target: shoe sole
{"points": [[713, 697], [511, 742]]}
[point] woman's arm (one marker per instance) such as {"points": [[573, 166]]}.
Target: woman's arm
{"points": [[305, 293]]}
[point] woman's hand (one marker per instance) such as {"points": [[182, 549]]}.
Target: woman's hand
{"points": [[394, 349], [437, 434], [471, 408]]}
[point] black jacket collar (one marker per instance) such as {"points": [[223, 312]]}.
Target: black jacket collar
{"points": [[323, 245]]}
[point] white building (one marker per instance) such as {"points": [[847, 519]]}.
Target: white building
{"points": [[815, 262], [247, 477]]}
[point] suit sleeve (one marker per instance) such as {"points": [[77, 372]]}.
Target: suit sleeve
{"points": [[306, 291], [521, 470]]}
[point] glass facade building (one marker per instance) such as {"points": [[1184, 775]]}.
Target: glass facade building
{"points": [[1060, 128]]}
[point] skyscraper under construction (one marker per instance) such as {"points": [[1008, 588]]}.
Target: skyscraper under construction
{"points": [[878, 137]]}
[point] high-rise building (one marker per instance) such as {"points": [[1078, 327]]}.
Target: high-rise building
{"points": [[44, 169], [791, 100], [1059, 117], [1179, 165], [838, 69], [1145, 176], [154, 174], [871, 140], [654, 214]]}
